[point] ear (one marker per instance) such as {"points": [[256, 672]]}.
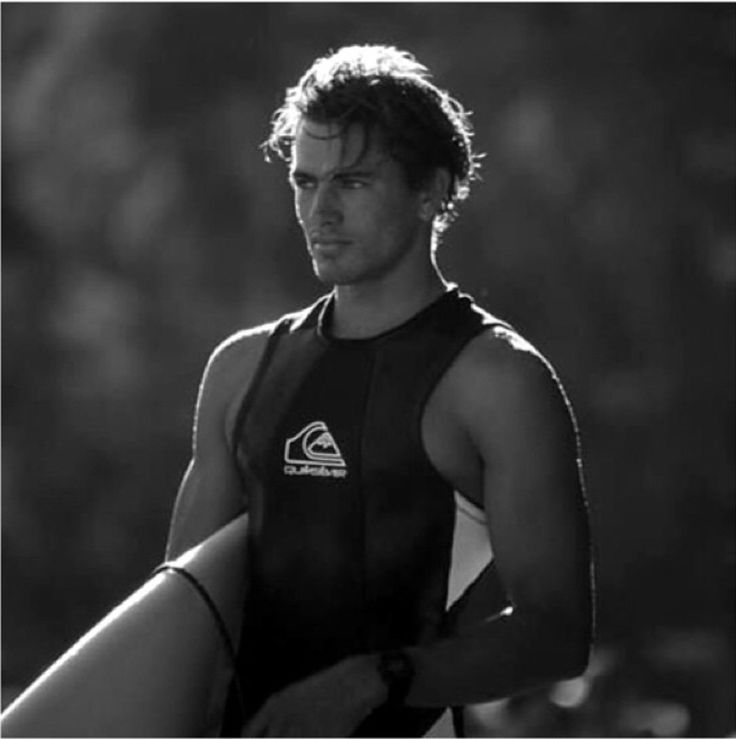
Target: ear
{"points": [[433, 193]]}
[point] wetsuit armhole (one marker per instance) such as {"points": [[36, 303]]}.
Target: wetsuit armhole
{"points": [[440, 370], [280, 328]]}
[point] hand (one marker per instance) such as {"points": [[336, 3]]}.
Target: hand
{"points": [[330, 703]]}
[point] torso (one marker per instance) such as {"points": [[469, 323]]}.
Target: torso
{"points": [[367, 550]]}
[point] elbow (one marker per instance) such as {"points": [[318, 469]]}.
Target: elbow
{"points": [[567, 646], [573, 658], [573, 639], [573, 645]]}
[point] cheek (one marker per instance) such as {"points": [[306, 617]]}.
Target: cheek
{"points": [[398, 216], [377, 213], [300, 206]]}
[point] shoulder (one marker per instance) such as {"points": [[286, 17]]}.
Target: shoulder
{"points": [[504, 355], [228, 375], [244, 348], [499, 351], [501, 380], [232, 366], [239, 350]]}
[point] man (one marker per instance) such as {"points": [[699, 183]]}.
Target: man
{"points": [[418, 535]]}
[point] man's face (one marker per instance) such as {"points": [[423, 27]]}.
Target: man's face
{"points": [[359, 216]]}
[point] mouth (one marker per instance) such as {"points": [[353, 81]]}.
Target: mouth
{"points": [[327, 247]]}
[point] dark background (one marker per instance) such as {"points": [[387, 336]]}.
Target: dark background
{"points": [[141, 226]]}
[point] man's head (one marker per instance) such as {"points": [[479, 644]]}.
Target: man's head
{"points": [[387, 94]]}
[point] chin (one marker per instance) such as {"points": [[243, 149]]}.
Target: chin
{"points": [[325, 276], [335, 273], [330, 275]]}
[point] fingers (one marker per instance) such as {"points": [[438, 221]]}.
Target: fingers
{"points": [[268, 723], [257, 726], [263, 727]]}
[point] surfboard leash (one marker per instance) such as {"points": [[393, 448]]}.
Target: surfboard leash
{"points": [[219, 623]]}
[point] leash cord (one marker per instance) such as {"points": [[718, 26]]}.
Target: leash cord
{"points": [[219, 622]]}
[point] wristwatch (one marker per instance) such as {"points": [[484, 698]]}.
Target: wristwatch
{"points": [[396, 670]]}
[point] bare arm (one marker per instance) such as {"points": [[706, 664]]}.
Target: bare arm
{"points": [[519, 422], [211, 493]]}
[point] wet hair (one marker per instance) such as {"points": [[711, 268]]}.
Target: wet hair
{"points": [[389, 94]]}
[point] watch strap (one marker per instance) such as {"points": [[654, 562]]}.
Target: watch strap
{"points": [[397, 671]]}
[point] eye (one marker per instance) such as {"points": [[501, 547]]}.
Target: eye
{"points": [[299, 182], [352, 183]]}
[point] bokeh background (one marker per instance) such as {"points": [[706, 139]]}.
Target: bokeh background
{"points": [[141, 226]]}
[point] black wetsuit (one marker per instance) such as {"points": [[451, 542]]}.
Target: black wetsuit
{"points": [[351, 528]]}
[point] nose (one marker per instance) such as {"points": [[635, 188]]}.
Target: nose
{"points": [[325, 204]]}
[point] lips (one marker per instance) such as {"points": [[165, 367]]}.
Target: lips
{"points": [[326, 237], [327, 246]]}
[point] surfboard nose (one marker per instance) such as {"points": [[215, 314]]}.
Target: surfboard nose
{"points": [[156, 665]]}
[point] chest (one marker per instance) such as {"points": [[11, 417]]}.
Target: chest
{"points": [[364, 414], [353, 414]]}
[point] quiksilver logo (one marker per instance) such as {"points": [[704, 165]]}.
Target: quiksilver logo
{"points": [[314, 451]]}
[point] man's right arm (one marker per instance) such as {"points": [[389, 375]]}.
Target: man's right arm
{"points": [[211, 493]]}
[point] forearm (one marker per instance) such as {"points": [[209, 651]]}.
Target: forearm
{"points": [[507, 654]]}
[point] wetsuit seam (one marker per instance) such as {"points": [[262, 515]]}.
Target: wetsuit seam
{"points": [[364, 507]]}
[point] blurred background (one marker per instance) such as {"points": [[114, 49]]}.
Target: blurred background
{"points": [[141, 226]]}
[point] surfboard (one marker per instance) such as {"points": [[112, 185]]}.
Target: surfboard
{"points": [[157, 665]]}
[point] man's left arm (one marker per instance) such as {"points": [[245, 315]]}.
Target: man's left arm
{"points": [[520, 422]]}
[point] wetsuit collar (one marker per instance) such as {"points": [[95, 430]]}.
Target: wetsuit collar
{"points": [[324, 319]]}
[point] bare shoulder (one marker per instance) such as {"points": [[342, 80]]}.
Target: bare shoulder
{"points": [[229, 372], [500, 379], [238, 352], [507, 355]]}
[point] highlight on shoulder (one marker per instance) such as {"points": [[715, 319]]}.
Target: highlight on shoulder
{"points": [[237, 351], [503, 348], [513, 339], [243, 340]]}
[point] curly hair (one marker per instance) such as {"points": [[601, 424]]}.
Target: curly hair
{"points": [[389, 93]]}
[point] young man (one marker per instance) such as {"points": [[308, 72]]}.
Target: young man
{"points": [[418, 535]]}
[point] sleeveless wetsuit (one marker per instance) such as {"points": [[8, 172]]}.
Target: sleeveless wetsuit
{"points": [[354, 538]]}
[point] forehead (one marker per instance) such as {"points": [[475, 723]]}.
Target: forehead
{"points": [[320, 148]]}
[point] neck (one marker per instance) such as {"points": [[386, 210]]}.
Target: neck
{"points": [[369, 309]]}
